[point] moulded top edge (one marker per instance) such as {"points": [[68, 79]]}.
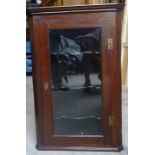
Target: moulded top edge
{"points": [[75, 8]]}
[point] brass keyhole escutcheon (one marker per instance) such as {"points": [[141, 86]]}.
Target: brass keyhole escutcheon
{"points": [[45, 85]]}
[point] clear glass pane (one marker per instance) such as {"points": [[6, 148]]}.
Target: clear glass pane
{"points": [[76, 85]]}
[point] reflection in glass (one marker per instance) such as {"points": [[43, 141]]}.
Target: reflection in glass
{"points": [[76, 85]]}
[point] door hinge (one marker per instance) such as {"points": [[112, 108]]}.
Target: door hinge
{"points": [[111, 120], [110, 43]]}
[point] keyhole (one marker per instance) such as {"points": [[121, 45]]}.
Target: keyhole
{"points": [[45, 85]]}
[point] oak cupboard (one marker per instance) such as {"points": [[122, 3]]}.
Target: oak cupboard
{"points": [[76, 59]]}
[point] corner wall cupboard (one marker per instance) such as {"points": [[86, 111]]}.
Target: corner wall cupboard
{"points": [[76, 59]]}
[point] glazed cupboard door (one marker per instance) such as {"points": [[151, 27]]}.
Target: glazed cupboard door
{"points": [[74, 70]]}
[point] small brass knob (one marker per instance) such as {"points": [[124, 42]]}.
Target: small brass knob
{"points": [[45, 85]]}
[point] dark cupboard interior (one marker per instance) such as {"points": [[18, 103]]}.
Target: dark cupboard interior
{"points": [[76, 81]]}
